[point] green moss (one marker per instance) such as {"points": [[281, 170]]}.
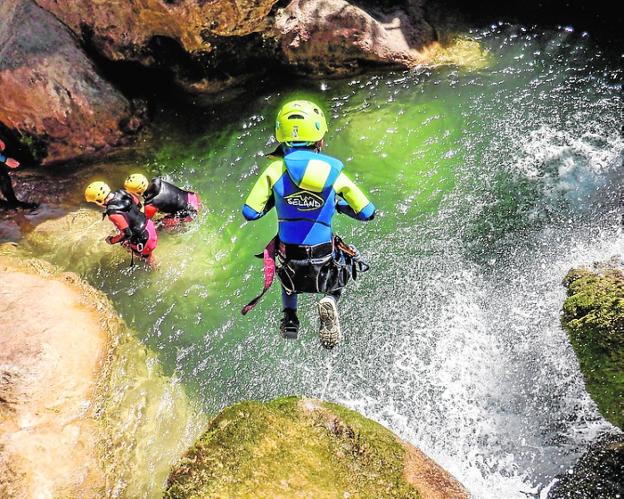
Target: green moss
{"points": [[35, 145], [292, 446], [593, 315]]}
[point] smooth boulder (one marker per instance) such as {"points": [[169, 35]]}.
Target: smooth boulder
{"points": [[298, 447], [335, 36], [85, 410]]}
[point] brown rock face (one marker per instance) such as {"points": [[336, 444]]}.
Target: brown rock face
{"points": [[333, 36], [206, 44], [56, 103], [122, 29], [52, 96], [213, 45]]}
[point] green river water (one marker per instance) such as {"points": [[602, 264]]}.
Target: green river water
{"points": [[490, 185]]}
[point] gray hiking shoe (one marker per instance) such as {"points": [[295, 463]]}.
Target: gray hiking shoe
{"points": [[329, 331]]}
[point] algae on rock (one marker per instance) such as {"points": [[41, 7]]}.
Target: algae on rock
{"points": [[593, 315], [294, 446], [598, 473]]}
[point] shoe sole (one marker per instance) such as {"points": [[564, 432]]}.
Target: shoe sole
{"points": [[289, 335], [329, 331]]}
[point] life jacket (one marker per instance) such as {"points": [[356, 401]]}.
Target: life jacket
{"points": [[305, 198], [124, 204], [166, 197]]}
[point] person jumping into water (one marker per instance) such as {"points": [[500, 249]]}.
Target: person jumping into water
{"points": [[136, 233], [6, 187], [307, 188], [176, 204]]}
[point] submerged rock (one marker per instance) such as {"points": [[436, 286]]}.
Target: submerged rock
{"points": [[297, 447], [597, 474], [593, 316], [53, 99], [85, 410], [75, 240]]}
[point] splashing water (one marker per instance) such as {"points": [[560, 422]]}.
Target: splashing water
{"points": [[491, 184]]}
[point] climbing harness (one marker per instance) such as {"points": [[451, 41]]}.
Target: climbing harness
{"points": [[322, 268]]}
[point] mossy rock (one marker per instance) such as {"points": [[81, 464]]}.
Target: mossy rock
{"points": [[296, 447], [598, 473], [593, 316]]}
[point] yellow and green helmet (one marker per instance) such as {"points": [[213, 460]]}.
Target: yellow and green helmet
{"points": [[300, 121]]}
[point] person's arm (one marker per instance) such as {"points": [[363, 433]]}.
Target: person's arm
{"points": [[354, 202], [153, 189], [124, 230], [10, 162], [150, 210], [260, 199]]}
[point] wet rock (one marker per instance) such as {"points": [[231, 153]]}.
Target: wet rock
{"points": [[294, 446], [75, 240], [208, 46], [53, 99], [124, 30], [85, 410], [334, 36], [212, 46], [593, 316], [48, 371], [598, 474]]}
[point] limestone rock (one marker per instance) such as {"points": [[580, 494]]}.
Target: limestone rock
{"points": [[85, 410], [207, 45], [334, 36], [53, 99]]}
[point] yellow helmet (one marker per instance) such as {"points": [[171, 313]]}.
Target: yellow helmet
{"points": [[97, 192], [136, 183], [300, 121]]}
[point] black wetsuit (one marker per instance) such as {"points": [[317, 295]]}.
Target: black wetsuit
{"points": [[134, 230], [167, 198], [6, 187]]}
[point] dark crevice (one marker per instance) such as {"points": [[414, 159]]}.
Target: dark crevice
{"points": [[170, 73], [136, 80]]}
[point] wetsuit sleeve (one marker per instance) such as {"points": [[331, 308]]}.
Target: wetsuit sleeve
{"points": [[152, 189], [355, 204], [122, 225], [150, 210], [261, 199]]}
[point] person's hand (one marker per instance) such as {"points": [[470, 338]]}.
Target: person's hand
{"points": [[11, 163], [109, 239], [2, 146]]}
